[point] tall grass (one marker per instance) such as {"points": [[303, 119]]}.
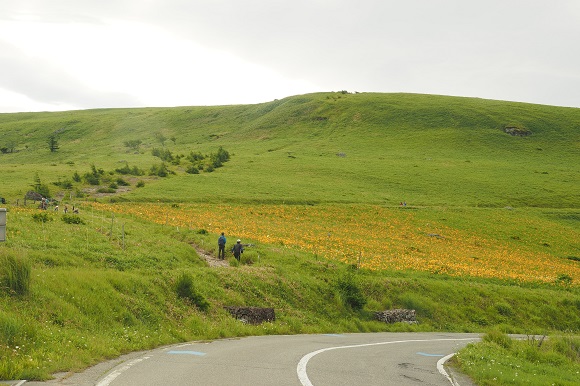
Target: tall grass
{"points": [[14, 274], [501, 360]]}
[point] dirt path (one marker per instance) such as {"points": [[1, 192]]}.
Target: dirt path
{"points": [[211, 260]]}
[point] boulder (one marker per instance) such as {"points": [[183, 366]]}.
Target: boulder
{"points": [[252, 315], [396, 315]]}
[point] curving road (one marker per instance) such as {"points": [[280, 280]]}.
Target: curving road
{"points": [[401, 359]]}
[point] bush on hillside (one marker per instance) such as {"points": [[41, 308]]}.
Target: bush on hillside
{"points": [[160, 170], [41, 217], [122, 182], [208, 163], [133, 144], [72, 219], [350, 291], [498, 338], [163, 154], [66, 184], [134, 171], [192, 170], [94, 176], [186, 290]]}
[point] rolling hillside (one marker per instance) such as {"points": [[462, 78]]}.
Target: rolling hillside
{"points": [[329, 147]]}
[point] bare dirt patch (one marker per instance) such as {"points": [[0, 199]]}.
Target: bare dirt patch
{"points": [[211, 260]]}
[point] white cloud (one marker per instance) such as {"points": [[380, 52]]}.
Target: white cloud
{"points": [[175, 52], [150, 64]]}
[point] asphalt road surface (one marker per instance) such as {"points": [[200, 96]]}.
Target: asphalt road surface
{"points": [[401, 359]]}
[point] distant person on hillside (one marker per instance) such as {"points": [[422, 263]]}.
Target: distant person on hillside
{"points": [[222, 247], [238, 249]]}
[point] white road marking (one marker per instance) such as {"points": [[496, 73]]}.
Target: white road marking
{"points": [[198, 353], [114, 374], [301, 368], [441, 369]]}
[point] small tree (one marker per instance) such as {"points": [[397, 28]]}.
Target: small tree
{"points": [[39, 187], [53, 143]]}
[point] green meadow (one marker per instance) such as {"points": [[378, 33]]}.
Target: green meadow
{"points": [[76, 289]]}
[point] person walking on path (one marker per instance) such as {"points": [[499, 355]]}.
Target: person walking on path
{"points": [[238, 249], [222, 247]]}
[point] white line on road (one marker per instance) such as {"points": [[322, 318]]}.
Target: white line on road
{"points": [[301, 368], [441, 369], [111, 377]]}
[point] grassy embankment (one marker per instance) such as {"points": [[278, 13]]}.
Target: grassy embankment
{"points": [[108, 285]]}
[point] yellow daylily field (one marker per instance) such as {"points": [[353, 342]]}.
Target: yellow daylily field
{"points": [[371, 237]]}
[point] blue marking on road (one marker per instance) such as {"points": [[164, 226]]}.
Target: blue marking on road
{"points": [[430, 355], [187, 352]]}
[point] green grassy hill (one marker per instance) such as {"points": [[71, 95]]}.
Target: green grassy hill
{"points": [[77, 289], [329, 147]]}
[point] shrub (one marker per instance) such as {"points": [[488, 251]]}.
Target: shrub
{"points": [[164, 154], [159, 170], [133, 144], [72, 219], [41, 217], [350, 291], [186, 290], [498, 338], [91, 179], [195, 157], [94, 176], [66, 184], [192, 170], [15, 274], [134, 171], [122, 182], [504, 309], [140, 184], [248, 257]]}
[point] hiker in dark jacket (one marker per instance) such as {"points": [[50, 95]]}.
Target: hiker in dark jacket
{"points": [[238, 249]]}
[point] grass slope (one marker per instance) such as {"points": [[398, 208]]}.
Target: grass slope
{"points": [[108, 285], [329, 147]]}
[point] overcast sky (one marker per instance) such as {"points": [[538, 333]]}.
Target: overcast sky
{"points": [[80, 54]]}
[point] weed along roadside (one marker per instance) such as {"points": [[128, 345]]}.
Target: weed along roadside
{"points": [[478, 247], [2, 224]]}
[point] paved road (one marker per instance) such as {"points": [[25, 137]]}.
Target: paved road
{"points": [[401, 359]]}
